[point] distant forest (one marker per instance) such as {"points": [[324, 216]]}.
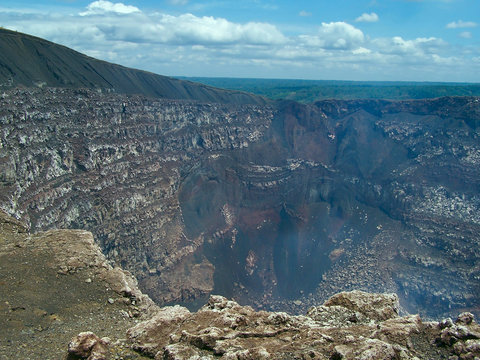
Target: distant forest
{"points": [[308, 91]]}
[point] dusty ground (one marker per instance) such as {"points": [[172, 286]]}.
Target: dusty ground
{"points": [[41, 308]]}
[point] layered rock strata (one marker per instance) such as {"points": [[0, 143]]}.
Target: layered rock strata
{"points": [[65, 165], [277, 206]]}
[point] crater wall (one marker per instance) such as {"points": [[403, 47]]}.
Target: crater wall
{"points": [[278, 206]]}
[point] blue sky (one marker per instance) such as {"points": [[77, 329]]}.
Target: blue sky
{"points": [[406, 40]]}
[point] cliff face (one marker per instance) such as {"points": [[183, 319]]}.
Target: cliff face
{"points": [[263, 203], [114, 165]]}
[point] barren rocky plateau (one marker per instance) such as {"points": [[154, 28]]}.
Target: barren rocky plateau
{"points": [[62, 299]]}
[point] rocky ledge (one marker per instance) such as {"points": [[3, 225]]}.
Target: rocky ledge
{"points": [[56, 284], [350, 325]]}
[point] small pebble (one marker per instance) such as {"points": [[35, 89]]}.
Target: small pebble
{"points": [[110, 301], [88, 281]]}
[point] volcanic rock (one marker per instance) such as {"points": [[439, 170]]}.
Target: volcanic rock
{"points": [[278, 206], [28, 61], [45, 301], [87, 345], [224, 329], [373, 306]]}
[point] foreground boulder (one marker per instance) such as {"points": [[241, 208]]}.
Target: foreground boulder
{"points": [[87, 345], [374, 306]]}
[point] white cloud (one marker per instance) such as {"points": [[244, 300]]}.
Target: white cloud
{"points": [[187, 44], [465, 35], [141, 28], [461, 24], [448, 60], [304, 13], [190, 29], [101, 7], [338, 35], [361, 51], [178, 2], [372, 17], [417, 47]]}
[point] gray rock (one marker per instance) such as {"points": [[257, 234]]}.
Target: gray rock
{"points": [[87, 345], [223, 328], [373, 306]]}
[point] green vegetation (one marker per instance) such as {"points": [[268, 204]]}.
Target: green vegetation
{"points": [[308, 91]]}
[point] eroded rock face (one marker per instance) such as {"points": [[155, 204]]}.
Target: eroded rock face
{"points": [[277, 206]]}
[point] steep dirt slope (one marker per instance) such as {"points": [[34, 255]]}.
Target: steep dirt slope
{"points": [[30, 61]]}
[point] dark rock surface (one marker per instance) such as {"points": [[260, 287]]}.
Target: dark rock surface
{"points": [[278, 206]]}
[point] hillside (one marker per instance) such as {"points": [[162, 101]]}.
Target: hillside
{"points": [[56, 284], [30, 61]]}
